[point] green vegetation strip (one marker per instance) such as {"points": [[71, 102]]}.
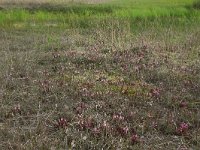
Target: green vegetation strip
{"points": [[84, 15]]}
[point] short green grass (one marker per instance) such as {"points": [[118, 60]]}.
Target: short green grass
{"points": [[73, 14]]}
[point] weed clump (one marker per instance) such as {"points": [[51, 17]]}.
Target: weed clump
{"points": [[196, 4]]}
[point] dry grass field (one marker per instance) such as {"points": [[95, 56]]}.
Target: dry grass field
{"points": [[106, 76]]}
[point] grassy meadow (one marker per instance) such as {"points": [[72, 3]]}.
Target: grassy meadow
{"points": [[99, 74]]}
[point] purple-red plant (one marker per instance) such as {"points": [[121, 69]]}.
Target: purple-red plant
{"points": [[96, 131], [183, 128], [89, 123], [155, 92], [135, 139], [183, 104], [118, 117], [61, 123], [123, 131]]}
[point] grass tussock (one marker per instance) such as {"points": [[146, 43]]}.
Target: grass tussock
{"points": [[196, 4]]}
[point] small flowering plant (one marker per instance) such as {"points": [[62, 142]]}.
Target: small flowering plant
{"points": [[135, 139], [182, 128], [183, 104], [61, 123]]}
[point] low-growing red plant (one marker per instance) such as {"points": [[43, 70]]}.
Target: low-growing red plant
{"points": [[61, 123], [96, 131], [183, 128], [155, 92], [123, 131], [135, 139], [183, 104], [118, 117]]}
